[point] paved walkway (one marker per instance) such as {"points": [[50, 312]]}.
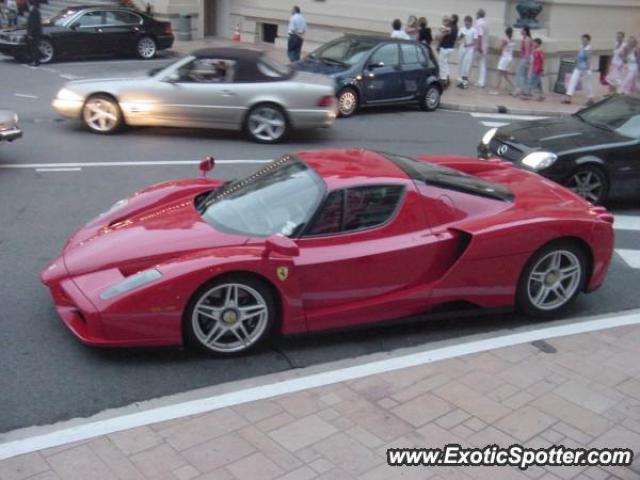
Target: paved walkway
{"points": [[471, 100], [577, 391]]}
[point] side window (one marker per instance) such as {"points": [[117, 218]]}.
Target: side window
{"points": [[370, 206], [356, 208], [122, 18], [90, 19], [409, 53], [329, 219], [208, 70], [425, 56], [387, 54]]}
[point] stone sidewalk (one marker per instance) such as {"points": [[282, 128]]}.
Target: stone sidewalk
{"points": [[469, 100], [577, 391]]}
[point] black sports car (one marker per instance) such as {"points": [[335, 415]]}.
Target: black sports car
{"points": [[594, 152], [370, 70], [92, 30]]}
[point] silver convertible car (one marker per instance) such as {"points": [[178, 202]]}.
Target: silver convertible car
{"points": [[228, 88]]}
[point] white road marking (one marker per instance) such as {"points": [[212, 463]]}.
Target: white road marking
{"points": [[505, 116], [113, 62], [37, 438], [25, 95], [494, 124], [69, 76], [627, 222], [72, 169], [123, 164], [631, 257]]}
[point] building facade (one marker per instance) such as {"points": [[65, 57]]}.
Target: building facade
{"points": [[562, 21]]}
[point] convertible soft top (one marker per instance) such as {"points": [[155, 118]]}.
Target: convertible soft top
{"points": [[246, 68]]}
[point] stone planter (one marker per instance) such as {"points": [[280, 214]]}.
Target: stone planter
{"points": [[528, 11]]}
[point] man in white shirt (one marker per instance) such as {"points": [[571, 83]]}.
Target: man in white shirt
{"points": [[297, 29], [398, 32], [468, 38], [482, 26]]}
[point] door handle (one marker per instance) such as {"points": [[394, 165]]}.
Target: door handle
{"points": [[227, 93]]}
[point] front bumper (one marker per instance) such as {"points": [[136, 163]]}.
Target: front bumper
{"points": [[68, 108], [11, 134], [13, 49]]}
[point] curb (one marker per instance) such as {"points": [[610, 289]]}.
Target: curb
{"points": [[501, 109]]}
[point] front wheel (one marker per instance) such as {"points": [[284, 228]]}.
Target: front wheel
{"points": [[267, 123], [101, 113], [590, 183], [146, 48], [347, 102], [231, 315], [47, 52], [431, 99], [551, 280]]}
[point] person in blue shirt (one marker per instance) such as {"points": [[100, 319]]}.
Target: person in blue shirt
{"points": [[582, 72], [297, 29]]}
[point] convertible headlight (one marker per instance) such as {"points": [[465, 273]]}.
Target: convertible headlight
{"points": [[539, 160], [66, 94], [131, 282], [486, 139]]}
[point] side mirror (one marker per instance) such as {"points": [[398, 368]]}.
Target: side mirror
{"points": [[278, 243], [75, 26], [207, 165], [373, 66]]}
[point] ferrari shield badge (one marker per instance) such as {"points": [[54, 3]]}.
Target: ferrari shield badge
{"points": [[282, 272]]}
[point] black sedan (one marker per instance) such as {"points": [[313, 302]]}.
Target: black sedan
{"points": [[594, 152], [372, 71], [95, 30]]}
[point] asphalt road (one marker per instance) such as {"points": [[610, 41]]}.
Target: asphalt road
{"points": [[47, 376]]}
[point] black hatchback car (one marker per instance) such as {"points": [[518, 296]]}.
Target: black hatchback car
{"points": [[594, 152], [92, 30], [372, 71]]}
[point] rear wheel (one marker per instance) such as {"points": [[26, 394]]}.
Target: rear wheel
{"points": [[590, 182], [267, 123], [431, 99], [231, 315], [347, 102], [101, 113], [551, 280], [146, 48]]}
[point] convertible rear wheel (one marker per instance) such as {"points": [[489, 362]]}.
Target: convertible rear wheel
{"points": [[146, 48], [267, 124], [551, 280], [231, 315], [102, 114], [347, 102], [47, 51], [590, 183]]}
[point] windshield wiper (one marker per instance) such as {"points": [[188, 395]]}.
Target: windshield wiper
{"points": [[206, 199]]}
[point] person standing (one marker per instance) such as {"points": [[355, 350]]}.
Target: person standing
{"points": [[297, 29], [614, 75], [448, 36], [12, 13], [34, 33], [631, 56], [412, 27], [522, 74], [482, 27], [397, 30], [537, 69], [507, 47], [424, 32], [582, 72], [468, 38]]}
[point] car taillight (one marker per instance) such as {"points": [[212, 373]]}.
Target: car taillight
{"points": [[167, 29], [326, 101]]}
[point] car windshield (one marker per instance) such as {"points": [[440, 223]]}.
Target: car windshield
{"points": [[347, 51], [280, 198], [620, 114], [62, 18]]}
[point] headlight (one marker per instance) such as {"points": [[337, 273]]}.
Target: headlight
{"points": [[486, 139], [131, 282], [539, 160], [66, 94]]}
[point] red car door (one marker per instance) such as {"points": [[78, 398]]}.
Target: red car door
{"points": [[369, 256]]}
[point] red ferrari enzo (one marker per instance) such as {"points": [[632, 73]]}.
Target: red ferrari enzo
{"points": [[326, 239]]}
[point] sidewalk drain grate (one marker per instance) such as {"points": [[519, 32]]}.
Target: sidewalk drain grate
{"points": [[544, 347]]}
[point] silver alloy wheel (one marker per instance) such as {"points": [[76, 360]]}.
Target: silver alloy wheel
{"points": [[432, 98], [230, 318], [101, 114], [267, 123], [347, 103], [146, 47], [587, 184], [46, 51], [554, 280]]}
